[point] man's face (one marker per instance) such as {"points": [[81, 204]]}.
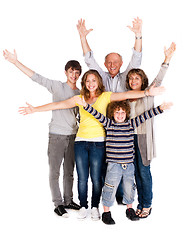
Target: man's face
{"points": [[113, 64], [72, 75]]}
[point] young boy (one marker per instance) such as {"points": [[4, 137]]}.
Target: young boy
{"points": [[62, 132], [120, 152]]}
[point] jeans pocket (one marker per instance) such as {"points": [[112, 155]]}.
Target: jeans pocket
{"points": [[107, 191], [99, 144]]}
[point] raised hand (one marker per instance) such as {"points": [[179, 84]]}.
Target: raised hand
{"points": [[11, 57], [83, 32], [137, 26], [26, 110], [169, 52]]}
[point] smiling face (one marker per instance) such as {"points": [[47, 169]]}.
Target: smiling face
{"points": [[135, 82], [91, 83], [72, 76], [113, 63], [119, 115]]}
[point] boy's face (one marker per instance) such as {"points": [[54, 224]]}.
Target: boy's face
{"points": [[72, 75], [119, 115]]}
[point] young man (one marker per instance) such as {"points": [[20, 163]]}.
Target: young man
{"points": [[62, 131], [113, 80]]}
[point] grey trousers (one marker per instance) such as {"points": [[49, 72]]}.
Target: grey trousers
{"points": [[61, 150]]}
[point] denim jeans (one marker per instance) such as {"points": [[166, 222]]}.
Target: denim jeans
{"points": [[89, 158], [143, 179], [115, 172]]}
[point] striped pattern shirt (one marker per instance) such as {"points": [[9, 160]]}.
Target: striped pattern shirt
{"points": [[120, 136]]}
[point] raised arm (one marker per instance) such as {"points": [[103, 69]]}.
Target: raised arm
{"points": [[137, 29], [168, 53], [152, 91], [12, 57], [69, 103], [83, 32]]}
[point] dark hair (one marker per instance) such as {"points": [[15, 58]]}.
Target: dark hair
{"points": [[143, 76], [113, 106], [74, 65], [84, 91]]}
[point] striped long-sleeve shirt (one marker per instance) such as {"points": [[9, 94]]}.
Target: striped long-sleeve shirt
{"points": [[120, 136]]}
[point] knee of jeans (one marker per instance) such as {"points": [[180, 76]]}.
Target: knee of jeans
{"points": [[54, 175]]}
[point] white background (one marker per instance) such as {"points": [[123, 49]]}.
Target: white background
{"points": [[45, 37]]}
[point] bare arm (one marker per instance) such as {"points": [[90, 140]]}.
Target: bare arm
{"points": [[12, 57], [83, 32], [137, 29], [152, 91], [69, 103]]}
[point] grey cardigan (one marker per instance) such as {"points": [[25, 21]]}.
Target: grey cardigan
{"points": [[146, 141]]}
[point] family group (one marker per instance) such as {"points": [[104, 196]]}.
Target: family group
{"points": [[106, 129]]}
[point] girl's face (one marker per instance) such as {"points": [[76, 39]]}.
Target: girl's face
{"points": [[91, 83], [119, 115], [135, 82]]}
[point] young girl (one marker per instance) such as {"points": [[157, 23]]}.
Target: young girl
{"points": [[144, 135], [89, 143], [120, 152]]}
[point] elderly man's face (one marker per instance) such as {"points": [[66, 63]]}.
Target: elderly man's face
{"points": [[113, 63]]}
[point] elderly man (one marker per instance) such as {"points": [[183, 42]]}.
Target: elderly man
{"points": [[113, 80]]}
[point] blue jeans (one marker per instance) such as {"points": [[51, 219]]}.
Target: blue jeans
{"points": [[89, 157], [115, 172], [143, 179]]}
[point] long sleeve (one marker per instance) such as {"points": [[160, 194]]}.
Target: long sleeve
{"points": [[100, 117], [45, 82], [135, 122], [160, 76]]}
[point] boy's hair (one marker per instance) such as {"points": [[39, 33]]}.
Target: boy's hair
{"points": [[113, 106], [143, 76], [84, 91], [74, 65]]}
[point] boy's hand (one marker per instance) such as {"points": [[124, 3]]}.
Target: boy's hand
{"points": [[26, 110], [11, 57], [154, 91], [166, 106]]}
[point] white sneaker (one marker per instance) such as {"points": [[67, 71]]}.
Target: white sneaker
{"points": [[95, 214], [82, 213]]}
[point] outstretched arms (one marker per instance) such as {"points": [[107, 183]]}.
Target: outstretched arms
{"points": [[83, 32], [69, 103], [169, 53], [137, 29], [12, 58], [152, 91]]}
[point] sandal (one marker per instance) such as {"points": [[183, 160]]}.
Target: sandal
{"points": [[145, 213], [138, 212]]}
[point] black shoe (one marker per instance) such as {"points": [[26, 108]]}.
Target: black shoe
{"points": [[120, 201], [60, 211], [130, 213], [107, 219], [73, 206]]}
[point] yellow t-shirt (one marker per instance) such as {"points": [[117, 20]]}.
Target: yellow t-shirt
{"points": [[89, 126]]}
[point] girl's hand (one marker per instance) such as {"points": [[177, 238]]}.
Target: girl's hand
{"points": [[166, 106], [80, 101], [26, 110]]}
